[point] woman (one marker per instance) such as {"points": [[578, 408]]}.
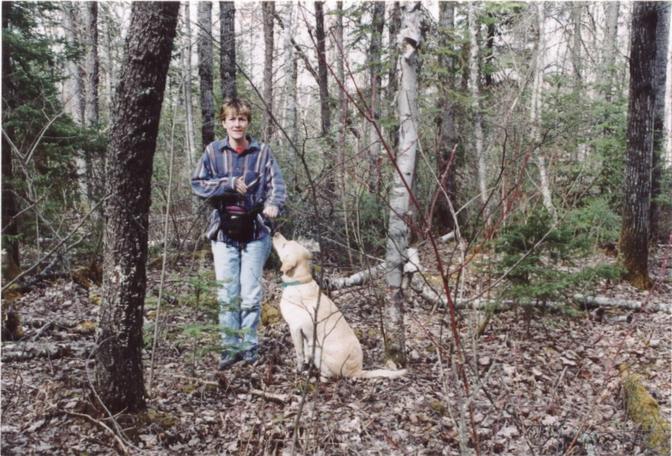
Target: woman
{"points": [[241, 179]]}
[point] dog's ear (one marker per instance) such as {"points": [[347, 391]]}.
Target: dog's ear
{"points": [[288, 263]]}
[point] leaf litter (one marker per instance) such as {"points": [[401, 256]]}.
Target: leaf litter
{"points": [[550, 387]]}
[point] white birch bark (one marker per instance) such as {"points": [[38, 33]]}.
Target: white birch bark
{"points": [[535, 111], [475, 93], [393, 316]]}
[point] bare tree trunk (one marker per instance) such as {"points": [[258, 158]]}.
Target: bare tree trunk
{"points": [[325, 110], [410, 38], [474, 89], [291, 103], [535, 111], [205, 72], [634, 242], [118, 373], [75, 94], [92, 113], [75, 101], [190, 134], [342, 172], [662, 37], [392, 82], [611, 47], [11, 266], [268, 10], [227, 53], [111, 80], [446, 118], [375, 78]]}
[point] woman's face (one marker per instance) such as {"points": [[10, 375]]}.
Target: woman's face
{"points": [[235, 125]]}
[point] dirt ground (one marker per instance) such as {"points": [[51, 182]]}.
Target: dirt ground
{"points": [[546, 383]]}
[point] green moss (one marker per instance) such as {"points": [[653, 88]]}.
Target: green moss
{"points": [[643, 409]]}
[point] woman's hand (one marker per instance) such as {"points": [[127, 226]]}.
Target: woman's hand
{"points": [[270, 211], [240, 186]]}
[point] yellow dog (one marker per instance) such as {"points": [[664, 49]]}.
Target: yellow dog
{"points": [[320, 333]]}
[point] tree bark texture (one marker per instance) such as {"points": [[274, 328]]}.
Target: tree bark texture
{"points": [[375, 80], [410, 38], [205, 72], [10, 231], [634, 240], [475, 92], [392, 82], [190, 134], [291, 65], [446, 169], [325, 109], [75, 94], [119, 375], [268, 10], [662, 38], [10, 228], [91, 114], [611, 47], [227, 52]]}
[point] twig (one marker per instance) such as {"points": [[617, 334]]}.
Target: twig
{"points": [[122, 446]]}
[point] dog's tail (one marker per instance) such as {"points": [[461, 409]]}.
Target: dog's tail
{"points": [[387, 373]]}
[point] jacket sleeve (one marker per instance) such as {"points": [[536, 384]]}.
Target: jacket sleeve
{"points": [[276, 193], [204, 183]]}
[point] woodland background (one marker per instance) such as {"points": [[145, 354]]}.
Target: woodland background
{"points": [[532, 311]]}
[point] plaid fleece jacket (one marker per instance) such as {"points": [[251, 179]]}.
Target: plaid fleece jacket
{"points": [[216, 174]]}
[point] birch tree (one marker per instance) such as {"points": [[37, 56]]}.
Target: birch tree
{"points": [[205, 72], [392, 80], [634, 241], [118, 373], [409, 39], [227, 52]]}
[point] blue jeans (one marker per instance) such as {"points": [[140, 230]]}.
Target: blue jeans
{"points": [[238, 272]]}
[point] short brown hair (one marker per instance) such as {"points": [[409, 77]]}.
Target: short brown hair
{"points": [[235, 106]]}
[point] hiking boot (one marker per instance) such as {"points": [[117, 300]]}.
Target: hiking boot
{"points": [[227, 360], [250, 356]]}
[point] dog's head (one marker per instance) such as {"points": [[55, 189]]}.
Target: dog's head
{"points": [[291, 253]]}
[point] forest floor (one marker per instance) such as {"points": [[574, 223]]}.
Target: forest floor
{"points": [[543, 383]]}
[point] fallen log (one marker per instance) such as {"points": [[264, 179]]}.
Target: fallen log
{"points": [[429, 294], [24, 351], [643, 409]]}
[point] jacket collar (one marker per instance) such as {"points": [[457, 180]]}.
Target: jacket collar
{"points": [[253, 144]]}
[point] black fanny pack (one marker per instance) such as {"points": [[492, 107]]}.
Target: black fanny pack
{"points": [[236, 225]]}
